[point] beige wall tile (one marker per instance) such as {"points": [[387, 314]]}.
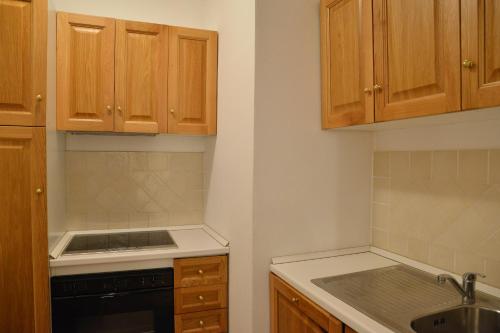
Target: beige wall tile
{"points": [[468, 262], [473, 166], [381, 190], [495, 166], [135, 189], [441, 257], [418, 249], [492, 272], [400, 165], [444, 209], [444, 166], [381, 164], [381, 216], [420, 165], [379, 238]]}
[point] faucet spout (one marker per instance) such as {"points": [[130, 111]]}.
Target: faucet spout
{"points": [[468, 288]]}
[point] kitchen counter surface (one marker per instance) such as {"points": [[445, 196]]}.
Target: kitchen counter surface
{"points": [[192, 241], [299, 274]]}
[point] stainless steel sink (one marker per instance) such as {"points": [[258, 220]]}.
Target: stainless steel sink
{"points": [[463, 319]]}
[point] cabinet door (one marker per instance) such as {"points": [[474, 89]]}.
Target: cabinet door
{"points": [[23, 62], [24, 299], [480, 53], [85, 72], [291, 312], [141, 65], [347, 62], [192, 81], [417, 57]]}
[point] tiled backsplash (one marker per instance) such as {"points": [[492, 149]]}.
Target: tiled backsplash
{"points": [[133, 189], [440, 207]]}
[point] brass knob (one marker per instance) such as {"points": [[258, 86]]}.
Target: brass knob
{"points": [[468, 63], [108, 107], [39, 98], [172, 111], [202, 323], [368, 90], [200, 272], [201, 298], [377, 87], [38, 191], [119, 108], [295, 300]]}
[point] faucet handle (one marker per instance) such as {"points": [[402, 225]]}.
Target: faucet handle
{"points": [[470, 276]]}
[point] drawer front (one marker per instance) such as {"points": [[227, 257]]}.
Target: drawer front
{"points": [[200, 298], [202, 271], [214, 321]]}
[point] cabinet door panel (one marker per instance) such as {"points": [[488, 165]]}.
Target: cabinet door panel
{"points": [[140, 71], [291, 320], [347, 62], [85, 72], [417, 57], [22, 62], [481, 45], [192, 81], [24, 299]]}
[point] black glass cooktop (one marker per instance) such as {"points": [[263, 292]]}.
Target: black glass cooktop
{"points": [[123, 241]]}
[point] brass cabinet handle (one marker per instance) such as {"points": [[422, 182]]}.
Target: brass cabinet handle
{"points": [[38, 191], [368, 90], [202, 323], [200, 272], [201, 298], [119, 108], [377, 87], [108, 107], [295, 300], [172, 111], [39, 98], [468, 63]]}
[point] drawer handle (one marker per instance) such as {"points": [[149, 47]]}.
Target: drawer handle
{"points": [[295, 300], [202, 323], [201, 298], [201, 272]]}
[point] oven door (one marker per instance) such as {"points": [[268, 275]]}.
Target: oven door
{"points": [[143, 311]]}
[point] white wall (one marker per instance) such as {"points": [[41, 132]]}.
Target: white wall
{"points": [[230, 154], [312, 187], [56, 187], [476, 129]]}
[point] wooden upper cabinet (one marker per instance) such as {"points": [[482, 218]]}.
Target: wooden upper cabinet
{"points": [[192, 81], [24, 296], [480, 53], [85, 72], [347, 62], [417, 57], [141, 69], [23, 62]]}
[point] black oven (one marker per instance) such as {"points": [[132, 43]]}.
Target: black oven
{"points": [[121, 302]]}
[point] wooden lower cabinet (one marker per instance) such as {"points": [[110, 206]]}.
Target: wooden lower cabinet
{"points": [[24, 276], [214, 321], [201, 295], [292, 312]]}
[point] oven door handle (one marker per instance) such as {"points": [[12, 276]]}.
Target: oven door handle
{"points": [[111, 295]]}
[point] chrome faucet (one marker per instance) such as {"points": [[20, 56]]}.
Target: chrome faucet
{"points": [[468, 288]]}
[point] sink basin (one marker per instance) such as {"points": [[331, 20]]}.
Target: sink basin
{"points": [[465, 319]]}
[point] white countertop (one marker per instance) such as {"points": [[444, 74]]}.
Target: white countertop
{"points": [[192, 241], [299, 274]]}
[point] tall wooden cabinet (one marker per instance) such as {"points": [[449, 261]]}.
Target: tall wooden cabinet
{"points": [[480, 53], [429, 57], [23, 57], [124, 76], [85, 72], [24, 276], [417, 57]]}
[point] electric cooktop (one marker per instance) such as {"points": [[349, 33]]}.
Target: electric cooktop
{"points": [[122, 241]]}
